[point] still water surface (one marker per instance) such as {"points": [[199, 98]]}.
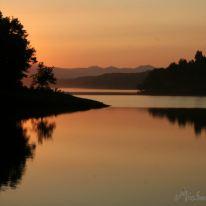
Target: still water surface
{"points": [[138, 101], [117, 156], [129, 98]]}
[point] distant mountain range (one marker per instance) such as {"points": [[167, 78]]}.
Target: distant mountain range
{"points": [[106, 81], [70, 73], [98, 77]]}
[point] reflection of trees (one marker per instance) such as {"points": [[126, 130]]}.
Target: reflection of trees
{"points": [[14, 152], [43, 128], [195, 117], [15, 148]]}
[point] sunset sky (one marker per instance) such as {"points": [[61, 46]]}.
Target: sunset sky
{"points": [[81, 33]]}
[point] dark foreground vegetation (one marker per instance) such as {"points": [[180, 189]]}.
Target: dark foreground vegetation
{"points": [[183, 78], [19, 103], [16, 57], [37, 103]]}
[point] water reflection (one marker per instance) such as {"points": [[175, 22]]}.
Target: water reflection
{"points": [[123, 146], [183, 117], [14, 152], [44, 129], [15, 148]]}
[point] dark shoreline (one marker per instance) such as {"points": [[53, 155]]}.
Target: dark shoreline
{"points": [[34, 103], [102, 93]]}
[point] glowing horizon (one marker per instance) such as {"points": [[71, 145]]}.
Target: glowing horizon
{"points": [[124, 33]]}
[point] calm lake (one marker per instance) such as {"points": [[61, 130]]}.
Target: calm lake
{"points": [[142, 150]]}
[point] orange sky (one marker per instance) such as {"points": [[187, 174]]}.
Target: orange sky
{"points": [[75, 33]]}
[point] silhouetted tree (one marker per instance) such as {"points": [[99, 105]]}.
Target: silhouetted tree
{"points": [[44, 77], [16, 53], [199, 56]]}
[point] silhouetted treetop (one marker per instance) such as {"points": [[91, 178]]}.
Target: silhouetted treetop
{"points": [[16, 53], [44, 77], [199, 56]]}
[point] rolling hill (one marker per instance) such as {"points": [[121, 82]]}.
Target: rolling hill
{"points": [[69, 73], [97, 77], [106, 81]]}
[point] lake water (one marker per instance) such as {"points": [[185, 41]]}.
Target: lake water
{"points": [[138, 101], [129, 98], [136, 152]]}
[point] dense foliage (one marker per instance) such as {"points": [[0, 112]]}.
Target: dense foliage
{"points": [[179, 78], [16, 53]]}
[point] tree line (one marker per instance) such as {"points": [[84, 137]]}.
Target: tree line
{"points": [[184, 77]]}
